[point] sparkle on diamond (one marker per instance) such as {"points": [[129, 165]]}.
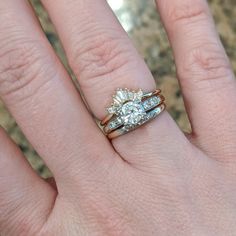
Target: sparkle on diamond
{"points": [[132, 113], [128, 106]]}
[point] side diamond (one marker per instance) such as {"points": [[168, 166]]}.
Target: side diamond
{"points": [[151, 102], [115, 124]]}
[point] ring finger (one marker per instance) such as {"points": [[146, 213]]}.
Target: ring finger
{"points": [[103, 59]]}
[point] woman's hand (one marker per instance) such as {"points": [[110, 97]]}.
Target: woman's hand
{"points": [[152, 181]]}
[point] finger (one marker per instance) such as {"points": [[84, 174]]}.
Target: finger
{"points": [[204, 72], [40, 95], [104, 59], [25, 199], [52, 182]]}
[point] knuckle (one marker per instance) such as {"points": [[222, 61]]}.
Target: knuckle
{"points": [[101, 55], [206, 63], [19, 68], [187, 13]]}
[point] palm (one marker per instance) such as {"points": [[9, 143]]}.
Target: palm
{"points": [[152, 181]]}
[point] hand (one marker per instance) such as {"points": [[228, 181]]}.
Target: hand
{"points": [[152, 181]]}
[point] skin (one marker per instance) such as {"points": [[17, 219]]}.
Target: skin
{"points": [[152, 181]]}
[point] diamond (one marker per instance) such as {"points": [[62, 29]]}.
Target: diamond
{"points": [[111, 110], [112, 125], [130, 95], [151, 102], [123, 96], [132, 113], [139, 95], [115, 123]]}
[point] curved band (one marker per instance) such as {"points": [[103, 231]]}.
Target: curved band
{"points": [[130, 110]]}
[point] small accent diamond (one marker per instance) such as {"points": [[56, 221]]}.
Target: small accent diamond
{"points": [[115, 123], [151, 102]]}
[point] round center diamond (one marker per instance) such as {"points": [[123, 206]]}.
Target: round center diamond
{"points": [[132, 112]]}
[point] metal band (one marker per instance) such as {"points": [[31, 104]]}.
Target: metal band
{"points": [[148, 104], [151, 115], [130, 110]]}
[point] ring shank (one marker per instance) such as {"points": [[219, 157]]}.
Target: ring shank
{"points": [[152, 103], [119, 132]]}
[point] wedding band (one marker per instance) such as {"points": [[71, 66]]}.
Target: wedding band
{"points": [[130, 110]]}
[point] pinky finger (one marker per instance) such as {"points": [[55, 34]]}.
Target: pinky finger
{"points": [[25, 199]]}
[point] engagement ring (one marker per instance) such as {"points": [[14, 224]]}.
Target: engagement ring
{"points": [[130, 110]]}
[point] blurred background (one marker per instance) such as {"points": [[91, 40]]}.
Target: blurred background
{"points": [[142, 23]]}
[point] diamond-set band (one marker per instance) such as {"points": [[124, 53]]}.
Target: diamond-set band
{"points": [[130, 110]]}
